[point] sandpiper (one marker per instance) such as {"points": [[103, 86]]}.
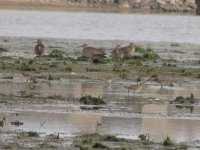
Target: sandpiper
{"points": [[39, 48], [91, 52], [135, 87], [128, 50], [117, 53], [143, 78]]}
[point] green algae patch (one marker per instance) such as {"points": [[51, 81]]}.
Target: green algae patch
{"points": [[89, 100]]}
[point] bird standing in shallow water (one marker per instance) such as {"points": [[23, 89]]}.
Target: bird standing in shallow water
{"points": [[135, 87], [39, 48]]}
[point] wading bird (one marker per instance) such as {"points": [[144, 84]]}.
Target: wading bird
{"points": [[39, 48], [117, 53], [91, 52], [128, 50], [134, 87], [143, 78]]}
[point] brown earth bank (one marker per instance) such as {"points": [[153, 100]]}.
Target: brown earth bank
{"points": [[108, 5]]}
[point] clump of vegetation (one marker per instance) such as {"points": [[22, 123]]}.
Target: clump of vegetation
{"points": [[99, 146], [136, 63], [147, 53], [92, 69], [53, 136], [25, 65], [150, 54], [169, 65], [3, 49], [124, 73], [182, 100], [89, 100], [168, 142], [140, 50], [57, 53], [53, 64], [100, 60], [33, 134], [4, 65], [117, 67], [82, 58], [48, 146], [144, 137], [89, 108], [182, 146], [56, 97], [8, 77], [112, 138], [174, 44]]}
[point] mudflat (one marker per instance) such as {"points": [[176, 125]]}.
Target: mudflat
{"points": [[72, 95]]}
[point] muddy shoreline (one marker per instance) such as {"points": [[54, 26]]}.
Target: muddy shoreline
{"points": [[72, 78]]}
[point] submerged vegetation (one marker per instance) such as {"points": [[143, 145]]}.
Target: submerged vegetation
{"points": [[168, 142], [147, 53], [57, 54], [111, 142], [33, 134], [89, 100], [182, 100], [3, 49]]}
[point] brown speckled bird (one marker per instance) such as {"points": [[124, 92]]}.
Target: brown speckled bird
{"points": [[143, 78], [128, 50], [39, 48], [91, 52], [135, 87], [117, 53]]}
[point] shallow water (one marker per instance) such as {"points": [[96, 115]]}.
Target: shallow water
{"points": [[181, 123], [77, 88], [70, 120], [100, 26]]}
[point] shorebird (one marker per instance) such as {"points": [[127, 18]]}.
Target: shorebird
{"points": [[39, 48], [91, 52], [2, 122], [117, 53], [128, 50], [143, 78], [135, 87]]}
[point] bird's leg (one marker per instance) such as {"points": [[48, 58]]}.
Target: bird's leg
{"points": [[161, 86]]}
